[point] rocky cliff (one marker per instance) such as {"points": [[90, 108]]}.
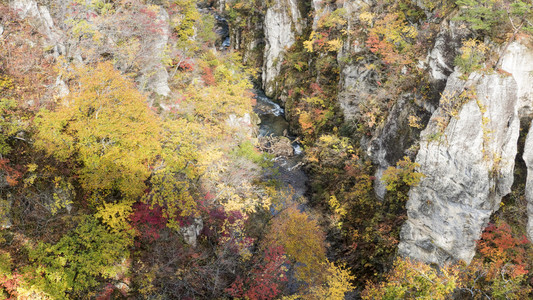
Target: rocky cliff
{"points": [[470, 123], [71, 32], [467, 155], [414, 118], [282, 23]]}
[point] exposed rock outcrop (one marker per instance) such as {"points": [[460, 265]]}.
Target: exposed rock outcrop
{"points": [[440, 59], [356, 81], [191, 232], [395, 139], [320, 8], [282, 23], [154, 74], [467, 155], [518, 61], [244, 126], [40, 16], [152, 45]]}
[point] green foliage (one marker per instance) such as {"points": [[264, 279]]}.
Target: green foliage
{"points": [[206, 30], [5, 263], [106, 125], [497, 17], [482, 15], [77, 263], [414, 280], [249, 151], [8, 122], [398, 179], [472, 56]]}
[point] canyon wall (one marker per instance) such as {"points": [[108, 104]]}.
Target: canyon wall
{"points": [[470, 123]]}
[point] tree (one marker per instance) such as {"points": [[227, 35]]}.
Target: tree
{"points": [[472, 56], [501, 266], [497, 17], [338, 283], [400, 178], [414, 280], [106, 126], [8, 119], [303, 241], [78, 261], [265, 279], [394, 39]]}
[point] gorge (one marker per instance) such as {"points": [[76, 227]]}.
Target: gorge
{"points": [[287, 149]]}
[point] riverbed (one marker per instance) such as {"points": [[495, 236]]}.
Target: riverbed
{"points": [[273, 123]]}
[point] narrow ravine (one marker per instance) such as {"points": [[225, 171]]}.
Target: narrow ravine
{"points": [[274, 127]]}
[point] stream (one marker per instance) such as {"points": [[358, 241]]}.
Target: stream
{"points": [[273, 123]]}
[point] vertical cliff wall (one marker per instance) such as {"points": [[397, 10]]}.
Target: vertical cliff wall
{"points": [[467, 153], [470, 123], [283, 22], [468, 167], [518, 61]]}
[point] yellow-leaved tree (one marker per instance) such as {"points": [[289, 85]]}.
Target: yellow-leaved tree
{"points": [[104, 125], [304, 243]]}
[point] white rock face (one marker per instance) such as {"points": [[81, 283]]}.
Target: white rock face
{"points": [[468, 167], [244, 126], [356, 80], [190, 233], [155, 75], [45, 24], [282, 23], [440, 58], [518, 60]]}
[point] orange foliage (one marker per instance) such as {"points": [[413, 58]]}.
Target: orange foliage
{"points": [[26, 64], [500, 248], [12, 175], [208, 76]]}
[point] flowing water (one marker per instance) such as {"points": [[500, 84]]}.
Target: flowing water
{"points": [[273, 123]]}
